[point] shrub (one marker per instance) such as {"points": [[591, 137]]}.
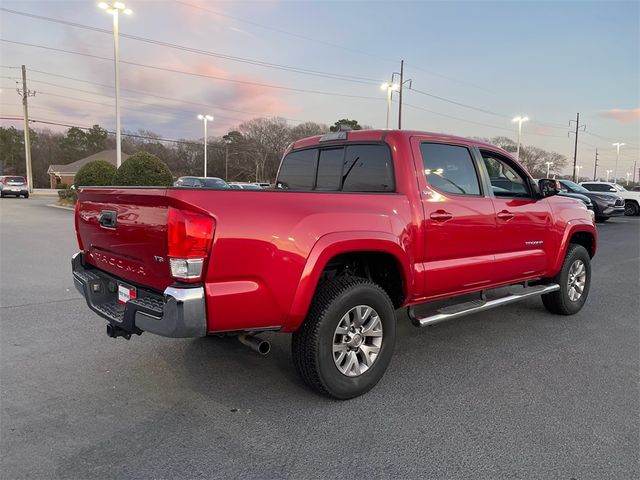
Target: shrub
{"points": [[68, 195], [95, 174], [145, 170], [62, 186]]}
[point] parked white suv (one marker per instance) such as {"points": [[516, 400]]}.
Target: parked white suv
{"points": [[631, 199]]}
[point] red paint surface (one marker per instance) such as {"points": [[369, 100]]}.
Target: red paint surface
{"points": [[270, 247]]}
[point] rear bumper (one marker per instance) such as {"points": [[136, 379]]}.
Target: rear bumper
{"points": [[15, 191], [178, 312]]}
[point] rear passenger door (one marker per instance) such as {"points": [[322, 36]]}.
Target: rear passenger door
{"points": [[523, 219], [459, 219]]}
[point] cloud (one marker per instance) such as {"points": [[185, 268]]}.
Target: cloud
{"points": [[623, 115]]}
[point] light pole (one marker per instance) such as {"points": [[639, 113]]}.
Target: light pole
{"points": [[548, 164], [114, 8], [608, 172], [205, 118], [628, 176], [578, 168], [615, 170], [390, 87], [226, 159], [520, 121]]}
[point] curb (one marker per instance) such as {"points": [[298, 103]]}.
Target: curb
{"points": [[60, 207]]}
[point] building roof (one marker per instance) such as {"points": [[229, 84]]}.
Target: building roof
{"points": [[72, 168]]}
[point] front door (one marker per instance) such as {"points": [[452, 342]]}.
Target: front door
{"points": [[459, 221], [523, 220]]}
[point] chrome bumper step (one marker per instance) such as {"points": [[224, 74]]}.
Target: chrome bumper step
{"points": [[461, 309]]}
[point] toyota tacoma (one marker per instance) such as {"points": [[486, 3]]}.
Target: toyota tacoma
{"points": [[357, 225]]}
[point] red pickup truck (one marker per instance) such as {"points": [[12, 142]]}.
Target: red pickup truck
{"points": [[359, 224]]}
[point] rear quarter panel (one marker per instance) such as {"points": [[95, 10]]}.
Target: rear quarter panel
{"points": [[263, 242]]}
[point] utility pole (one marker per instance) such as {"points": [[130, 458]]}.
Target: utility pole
{"points": [[400, 95], [575, 150], [634, 171], [400, 88], [595, 166], [25, 93]]}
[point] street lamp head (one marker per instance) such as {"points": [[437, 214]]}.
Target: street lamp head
{"points": [[200, 117], [394, 87], [520, 119], [115, 7], [209, 117], [617, 144]]}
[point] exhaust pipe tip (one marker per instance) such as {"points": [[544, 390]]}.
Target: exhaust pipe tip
{"points": [[256, 344]]}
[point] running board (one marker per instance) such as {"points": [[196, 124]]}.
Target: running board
{"points": [[475, 306]]}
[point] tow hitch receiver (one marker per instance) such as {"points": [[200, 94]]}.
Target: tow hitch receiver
{"points": [[114, 331]]}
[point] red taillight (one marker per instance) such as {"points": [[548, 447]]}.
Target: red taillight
{"points": [[76, 220], [189, 237]]}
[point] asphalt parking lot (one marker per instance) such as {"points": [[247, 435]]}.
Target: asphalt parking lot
{"points": [[510, 393]]}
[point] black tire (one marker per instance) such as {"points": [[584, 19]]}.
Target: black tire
{"points": [[601, 219], [312, 344], [631, 208], [559, 302], [26, 195]]}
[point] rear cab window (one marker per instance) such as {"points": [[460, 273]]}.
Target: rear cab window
{"points": [[345, 168]]}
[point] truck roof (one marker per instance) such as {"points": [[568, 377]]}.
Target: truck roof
{"points": [[380, 135]]}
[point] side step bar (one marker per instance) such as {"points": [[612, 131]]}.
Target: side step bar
{"points": [[475, 306]]}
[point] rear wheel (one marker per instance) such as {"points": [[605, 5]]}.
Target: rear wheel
{"points": [[574, 280], [631, 208], [26, 195], [346, 342]]}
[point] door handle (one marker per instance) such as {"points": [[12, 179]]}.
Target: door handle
{"points": [[441, 216], [505, 215], [108, 218]]}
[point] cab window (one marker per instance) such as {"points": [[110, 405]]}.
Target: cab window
{"points": [[506, 179], [450, 169]]}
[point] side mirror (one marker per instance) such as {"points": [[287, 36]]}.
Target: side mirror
{"points": [[548, 187]]}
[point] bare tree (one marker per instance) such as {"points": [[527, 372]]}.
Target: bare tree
{"points": [[308, 129], [269, 137]]}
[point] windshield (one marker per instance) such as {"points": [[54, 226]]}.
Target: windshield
{"points": [[215, 183], [574, 187]]}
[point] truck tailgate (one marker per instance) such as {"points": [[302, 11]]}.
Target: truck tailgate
{"points": [[124, 232]]}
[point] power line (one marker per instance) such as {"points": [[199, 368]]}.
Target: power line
{"points": [[284, 32], [146, 93], [194, 74], [288, 68], [474, 122], [133, 135]]}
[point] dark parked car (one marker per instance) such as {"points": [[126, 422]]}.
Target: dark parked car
{"points": [[210, 183], [11, 185], [605, 205], [583, 198]]}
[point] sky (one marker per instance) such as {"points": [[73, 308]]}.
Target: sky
{"points": [[473, 67]]}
